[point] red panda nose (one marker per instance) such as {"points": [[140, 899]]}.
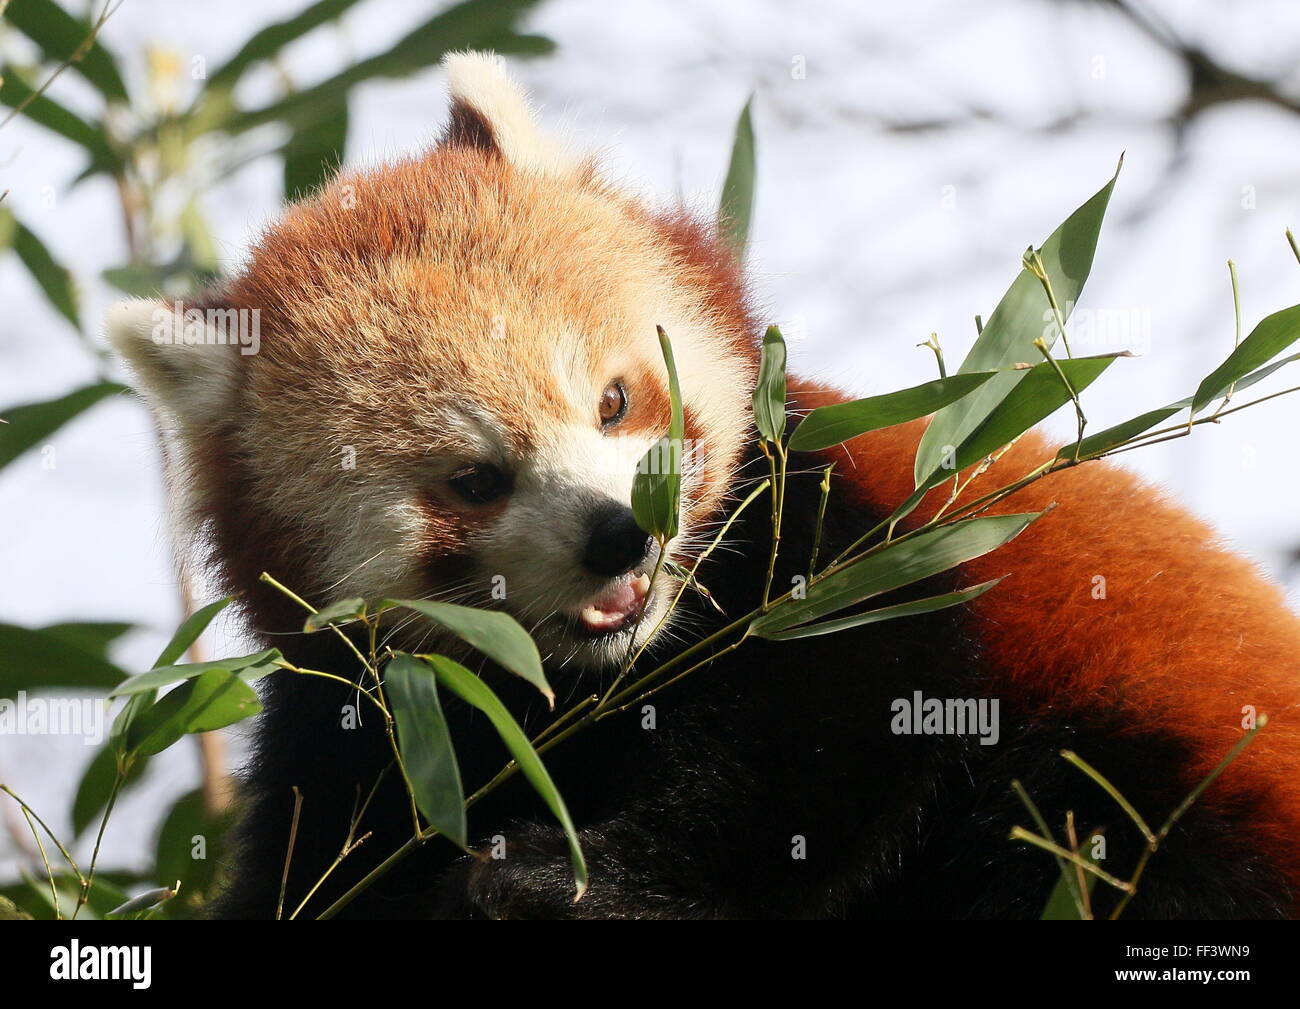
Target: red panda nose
{"points": [[616, 544]]}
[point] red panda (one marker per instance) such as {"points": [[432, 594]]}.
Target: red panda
{"points": [[457, 370]]}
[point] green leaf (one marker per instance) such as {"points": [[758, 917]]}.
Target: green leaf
{"points": [[16, 92], [902, 563], [174, 852], [1112, 436], [93, 791], [917, 606], [472, 24], [1021, 317], [769, 394], [425, 744], [315, 151], [32, 894], [1103, 441], [188, 632], [212, 700], [1036, 397], [38, 658], [200, 249], [497, 635], [97, 785], [9, 911], [736, 207], [30, 424], [1060, 904], [657, 485], [830, 425], [249, 666], [1039, 394], [89, 636], [265, 44], [1272, 336], [136, 705], [342, 612], [55, 281], [473, 691], [61, 36], [144, 901], [184, 275]]}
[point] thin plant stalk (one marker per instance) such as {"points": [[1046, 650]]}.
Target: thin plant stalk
{"points": [[288, 855]]}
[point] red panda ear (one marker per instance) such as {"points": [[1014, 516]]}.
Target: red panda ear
{"points": [[490, 112], [469, 128], [185, 360]]}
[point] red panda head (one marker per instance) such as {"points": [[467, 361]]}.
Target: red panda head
{"points": [[435, 380]]}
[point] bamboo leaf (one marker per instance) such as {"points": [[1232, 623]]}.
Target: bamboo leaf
{"points": [[342, 612], [96, 786], [473, 691], [249, 667], [174, 852], [16, 92], [1272, 336], [149, 281], [425, 744], [55, 281], [497, 635], [38, 658], [1061, 905], [657, 485], [268, 42], [1020, 318], [89, 636], [199, 250], [736, 207], [189, 631], [144, 901], [1038, 395], [914, 608], [903, 563], [1111, 437], [33, 895], [61, 36], [472, 24], [769, 394], [830, 425], [212, 700], [315, 151]]}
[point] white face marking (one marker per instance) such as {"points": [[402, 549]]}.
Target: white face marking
{"points": [[538, 543]]}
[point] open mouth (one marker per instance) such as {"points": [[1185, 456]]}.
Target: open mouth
{"points": [[617, 607]]}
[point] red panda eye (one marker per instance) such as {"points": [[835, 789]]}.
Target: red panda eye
{"points": [[480, 484], [613, 404]]}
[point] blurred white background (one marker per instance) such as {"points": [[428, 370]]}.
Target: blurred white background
{"points": [[907, 155]]}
